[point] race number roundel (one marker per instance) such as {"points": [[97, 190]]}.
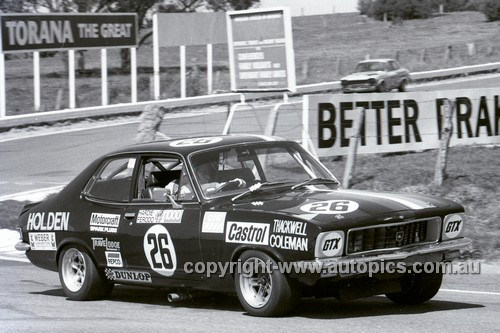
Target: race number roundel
{"points": [[195, 142], [160, 251], [331, 207]]}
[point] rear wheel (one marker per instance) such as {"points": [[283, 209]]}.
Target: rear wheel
{"points": [[79, 277], [417, 288], [262, 292]]}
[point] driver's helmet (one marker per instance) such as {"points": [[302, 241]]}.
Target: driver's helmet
{"points": [[207, 171]]}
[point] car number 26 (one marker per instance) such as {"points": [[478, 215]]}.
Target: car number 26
{"points": [[159, 250], [331, 207]]}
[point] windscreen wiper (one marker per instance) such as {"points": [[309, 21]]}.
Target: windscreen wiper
{"points": [[314, 181], [257, 188]]}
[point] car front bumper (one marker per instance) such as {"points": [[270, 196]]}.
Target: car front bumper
{"points": [[359, 88], [423, 253]]}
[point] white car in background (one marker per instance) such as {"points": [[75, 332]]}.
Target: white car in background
{"points": [[376, 75]]}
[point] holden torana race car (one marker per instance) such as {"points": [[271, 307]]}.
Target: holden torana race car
{"points": [[156, 214], [376, 75]]}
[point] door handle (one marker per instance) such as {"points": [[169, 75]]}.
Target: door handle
{"points": [[130, 215]]}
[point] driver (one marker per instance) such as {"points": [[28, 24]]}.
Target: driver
{"points": [[207, 173]]}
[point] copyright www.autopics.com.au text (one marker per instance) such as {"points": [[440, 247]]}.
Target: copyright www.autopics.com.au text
{"points": [[250, 268]]}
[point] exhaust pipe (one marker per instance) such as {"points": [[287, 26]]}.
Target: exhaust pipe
{"points": [[176, 297]]}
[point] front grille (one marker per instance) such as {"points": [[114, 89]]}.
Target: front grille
{"points": [[386, 237]]}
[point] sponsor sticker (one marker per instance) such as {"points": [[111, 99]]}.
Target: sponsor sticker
{"points": [[331, 207], [100, 222], [48, 221], [453, 226], [213, 222], [105, 243], [159, 250], [43, 241], [195, 142], [331, 244], [247, 233], [126, 275], [289, 235], [155, 216], [114, 259]]}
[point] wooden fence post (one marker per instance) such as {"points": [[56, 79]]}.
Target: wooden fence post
{"points": [[353, 147], [447, 128]]}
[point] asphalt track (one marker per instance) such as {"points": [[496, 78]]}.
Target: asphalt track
{"points": [[33, 301]]}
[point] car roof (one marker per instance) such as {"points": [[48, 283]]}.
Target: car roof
{"points": [[188, 145]]}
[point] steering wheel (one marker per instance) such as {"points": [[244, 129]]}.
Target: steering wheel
{"points": [[234, 184]]}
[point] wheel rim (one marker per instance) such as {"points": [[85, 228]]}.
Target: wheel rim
{"points": [[73, 270], [256, 288]]}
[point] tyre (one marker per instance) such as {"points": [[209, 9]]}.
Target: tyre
{"points": [[417, 288], [402, 86], [382, 87], [264, 293], [80, 279]]}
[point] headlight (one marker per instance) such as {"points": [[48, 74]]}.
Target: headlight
{"points": [[372, 81], [343, 83], [20, 231], [329, 244], [453, 225]]}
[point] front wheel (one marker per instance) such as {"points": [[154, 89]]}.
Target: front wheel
{"points": [[417, 288], [382, 87], [402, 86], [262, 292], [79, 277]]}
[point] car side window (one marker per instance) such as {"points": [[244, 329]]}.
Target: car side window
{"points": [[162, 176], [113, 180], [394, 65]]}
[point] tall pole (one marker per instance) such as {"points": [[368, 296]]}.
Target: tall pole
{"points": [[209, 69], [36, 80], [133, 74], [183, 70], [156, 59], [104, 77], [71, 79]]}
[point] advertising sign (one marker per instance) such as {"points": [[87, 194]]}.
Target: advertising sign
{"points": [[261, 50], [39, 32], [176, 29], [397, 122]]}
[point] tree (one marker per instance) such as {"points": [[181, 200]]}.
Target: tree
{"points": [[401, 9], [365, 7], [491, 8]]}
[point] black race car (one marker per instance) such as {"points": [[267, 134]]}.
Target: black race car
{"points": [[251, 214]]}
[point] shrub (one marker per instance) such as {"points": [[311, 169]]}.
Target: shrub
{"points": [[491, 8], [365, 7], [401, 9]]}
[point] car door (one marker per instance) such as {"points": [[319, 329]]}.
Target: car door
{"points": [[105, 199], [396, 73], [161, 236]]}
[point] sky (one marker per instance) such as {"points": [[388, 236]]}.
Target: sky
{"points": [[313, 7]]}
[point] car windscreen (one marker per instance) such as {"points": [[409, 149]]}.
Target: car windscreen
{"points": [[371, 66], [235, 169]]}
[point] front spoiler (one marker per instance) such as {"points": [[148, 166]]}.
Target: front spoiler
{"points": [[436, 252]]}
